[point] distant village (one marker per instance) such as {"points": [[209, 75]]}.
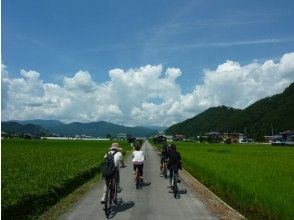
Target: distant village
{"points": [[283, 138]]}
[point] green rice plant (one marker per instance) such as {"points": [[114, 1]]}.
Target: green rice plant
{"points": [[256, 179], [37, 173]]}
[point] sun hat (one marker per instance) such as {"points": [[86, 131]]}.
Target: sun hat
{"points": [[115, 146]]}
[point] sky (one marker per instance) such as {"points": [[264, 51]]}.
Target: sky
{"points": [[141, 62]]}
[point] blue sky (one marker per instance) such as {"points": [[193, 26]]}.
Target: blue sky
{"points": [[58, 39]]}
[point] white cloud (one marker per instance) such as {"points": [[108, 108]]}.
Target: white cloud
{"points": [[4, 87], [33, 75], [141, 96], [81, 81], [238, 86]]}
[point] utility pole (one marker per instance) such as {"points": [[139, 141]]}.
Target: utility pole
{"points": [[272, 129]]}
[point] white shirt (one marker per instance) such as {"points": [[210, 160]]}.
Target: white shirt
{"points": [[138, 156], [118, 157]]}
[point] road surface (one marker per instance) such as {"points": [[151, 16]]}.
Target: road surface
{"points": [[153, 201]]}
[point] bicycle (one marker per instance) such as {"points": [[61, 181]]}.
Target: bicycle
{"points": [[111, 195], [174, 183]]}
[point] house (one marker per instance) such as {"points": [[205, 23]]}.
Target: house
{"points": [[288, 137], [236, 137], [122, 136], [169, 138], [233, 137], [179, 137], [273, 138], [215, 136]]}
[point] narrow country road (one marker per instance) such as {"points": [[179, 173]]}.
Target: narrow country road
{"points": [[153, 201]]}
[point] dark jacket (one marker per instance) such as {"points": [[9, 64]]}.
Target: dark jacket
{"points": [[174, 160], [164, 152]]}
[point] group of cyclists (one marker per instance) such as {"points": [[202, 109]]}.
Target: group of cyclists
{"points": [[169, 155]]}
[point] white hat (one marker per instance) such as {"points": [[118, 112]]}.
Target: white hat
{"points": [[115, 146]]}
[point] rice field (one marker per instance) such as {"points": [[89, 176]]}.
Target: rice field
{"points": [[258, 180], [37, 173]]}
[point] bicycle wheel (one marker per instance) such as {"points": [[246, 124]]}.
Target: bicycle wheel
{"points": [[165, 171], [175, 188], [114, 192], [107, 206], [137, 178]]}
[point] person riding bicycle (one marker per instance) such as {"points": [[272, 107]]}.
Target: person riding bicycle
{"points": [[164, 155], [138, 160], [174, 161], [118, 159]]}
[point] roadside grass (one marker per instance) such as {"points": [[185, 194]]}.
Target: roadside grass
{"points": [[67, 202], [38, 173], [255, 179]]}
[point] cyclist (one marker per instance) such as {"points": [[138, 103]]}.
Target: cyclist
{"points": [[164, 155], [138, 160], [118, 159], [174, 161]]}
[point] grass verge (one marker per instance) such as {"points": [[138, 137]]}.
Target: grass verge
{"points": [[67, 202]]}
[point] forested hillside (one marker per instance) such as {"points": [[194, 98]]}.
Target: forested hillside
{"points": [[23, 129]]}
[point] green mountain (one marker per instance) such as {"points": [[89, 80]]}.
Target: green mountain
{"points": [[43, 123], [213, 119], [275, 112], [99, 129], [23, 129], [94, 129]]}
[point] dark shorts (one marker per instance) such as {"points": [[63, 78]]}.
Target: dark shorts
{"points": [[140, 167]]}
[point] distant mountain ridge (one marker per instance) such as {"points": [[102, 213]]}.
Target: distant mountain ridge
{"points": [[42, 123], [12, 127], [275, 112], [94, 129]]}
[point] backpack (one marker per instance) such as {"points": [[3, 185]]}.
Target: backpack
{"points": [[109, 168]]}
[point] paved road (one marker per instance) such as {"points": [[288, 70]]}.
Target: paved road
{"points": [[153, 201]]}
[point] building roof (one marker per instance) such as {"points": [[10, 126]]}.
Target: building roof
{"points": [[214, 133], [287, 132]]}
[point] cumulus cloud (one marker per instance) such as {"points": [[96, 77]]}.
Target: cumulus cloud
{"points": [[238, 86], [4, 87], [148, 95]]}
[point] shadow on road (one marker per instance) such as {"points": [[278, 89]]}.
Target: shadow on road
{"points": [[181, 191], [143, 184], [125, 205], [121, 207], [146, 183]]}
